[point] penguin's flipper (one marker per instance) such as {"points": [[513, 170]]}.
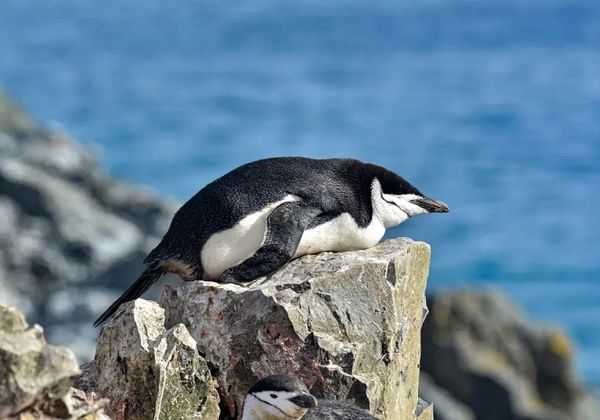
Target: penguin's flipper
{"points": [[285, 226], [143, 283]]}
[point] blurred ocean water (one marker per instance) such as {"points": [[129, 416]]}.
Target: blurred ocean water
{"points": [[492, 106]]}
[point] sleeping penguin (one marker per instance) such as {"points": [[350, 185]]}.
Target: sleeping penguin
{"points": [[256, 218]]}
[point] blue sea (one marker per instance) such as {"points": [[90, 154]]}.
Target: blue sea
{"points": [[492, 106]]}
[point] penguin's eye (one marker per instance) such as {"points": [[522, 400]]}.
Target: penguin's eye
{"points": [[274, 396]]}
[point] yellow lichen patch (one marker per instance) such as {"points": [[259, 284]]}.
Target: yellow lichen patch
{"points": [[489, 361], [559, 344]]}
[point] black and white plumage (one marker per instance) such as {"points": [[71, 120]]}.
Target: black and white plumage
{"points": [[282, 397], [253, 220], [277, 397]]}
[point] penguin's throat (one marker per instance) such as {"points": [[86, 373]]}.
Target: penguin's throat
{"points": [[385, 209]]}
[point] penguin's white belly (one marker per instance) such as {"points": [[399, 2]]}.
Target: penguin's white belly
{"points": [[230, 247], [340, 234]]}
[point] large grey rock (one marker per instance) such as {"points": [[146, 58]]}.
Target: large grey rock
{"points": [[347, 323], [71, 237], [149, 372], [483, 351], [36, 378]]}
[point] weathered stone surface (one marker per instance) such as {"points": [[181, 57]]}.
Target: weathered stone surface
{"points": [[148, 372], [424, 410], [500, 365], [347, 323], [74, 405], [71, 237], [11, 321], [36, 378], [88, 406]]}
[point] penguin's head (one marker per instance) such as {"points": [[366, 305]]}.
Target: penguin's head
{"points": [[394, 199], [277, 397]]}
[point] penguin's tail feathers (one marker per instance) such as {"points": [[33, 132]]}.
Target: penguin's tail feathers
{"points": [[143, 283]]}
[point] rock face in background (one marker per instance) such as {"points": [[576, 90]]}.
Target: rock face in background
{"points": [[68, 231], [148, 372], [347, 323], [496, 365], [36, 378]]}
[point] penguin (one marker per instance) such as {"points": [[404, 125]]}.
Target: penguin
{"points": [[277, 397], [283, 397], [256, 218]]}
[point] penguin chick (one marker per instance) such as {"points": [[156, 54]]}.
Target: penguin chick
{"points": [[256, 218], [277, 397], [282, 397]]}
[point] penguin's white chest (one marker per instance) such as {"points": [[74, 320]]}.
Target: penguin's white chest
{"points": [[340, 234], [230, 247]]}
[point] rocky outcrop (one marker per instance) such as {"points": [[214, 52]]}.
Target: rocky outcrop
{"points": [[482, 358], [36, 378], [69, 233], [347, 323], [149, 372]]}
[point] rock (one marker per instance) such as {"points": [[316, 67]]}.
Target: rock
{"points": [[11, 321], [13, 120], [347, 323], [36, 378], [489, 357], [446, 406], [31, 372], [424, 410], [71, 237], [88, 406], [149, 372]]}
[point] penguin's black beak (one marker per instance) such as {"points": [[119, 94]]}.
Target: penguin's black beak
{"points": [[431, 205], [304, 401]]}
